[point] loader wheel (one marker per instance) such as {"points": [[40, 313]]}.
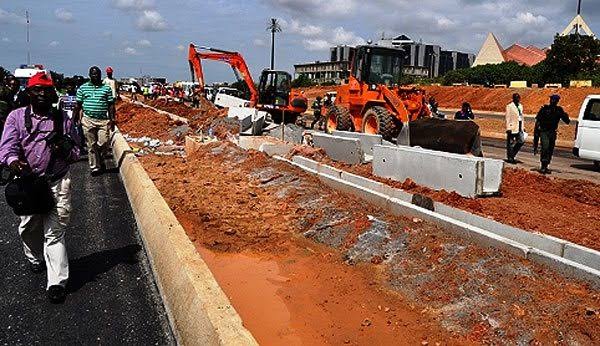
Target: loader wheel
{"points": [[379, 121], [339, 118]]}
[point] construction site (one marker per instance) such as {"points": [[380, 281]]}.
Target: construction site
{"points": [[301, 236], [361, 210]]}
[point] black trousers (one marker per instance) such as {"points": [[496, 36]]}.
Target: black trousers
{"points": [[513, 145], [548, 141], [318, 119]]}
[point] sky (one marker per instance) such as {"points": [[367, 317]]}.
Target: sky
{"points": [[151, 37]]}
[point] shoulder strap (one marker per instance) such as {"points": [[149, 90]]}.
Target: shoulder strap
{"points": [[28, 121], [58, 122]]}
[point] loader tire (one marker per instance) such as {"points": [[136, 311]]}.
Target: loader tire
{"points": [[379, 121], [339, 118]]}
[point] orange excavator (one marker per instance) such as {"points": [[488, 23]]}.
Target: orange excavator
{"points": [[371, 101], [274, 93]]}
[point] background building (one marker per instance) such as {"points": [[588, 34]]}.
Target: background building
{"points": [[333, 71], [491, 52]]}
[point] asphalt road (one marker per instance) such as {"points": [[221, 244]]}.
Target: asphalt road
{"points": [[564, 164], [112, 298]]}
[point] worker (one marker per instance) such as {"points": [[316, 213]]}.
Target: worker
{"points": [[318, 116], [195, 95], [8, 91], [546, 125], [40, 154], [434, 106], [96, 111], [515, 136], [111, 82], [465, 113]]}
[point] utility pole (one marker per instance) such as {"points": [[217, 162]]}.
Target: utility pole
{"points": [[28, 43], [273, 27], [578, 14]]}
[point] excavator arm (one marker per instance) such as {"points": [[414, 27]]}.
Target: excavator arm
{"points": [[234, 59]]}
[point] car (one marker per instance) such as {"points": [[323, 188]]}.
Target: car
{"points": [[587, 137]]}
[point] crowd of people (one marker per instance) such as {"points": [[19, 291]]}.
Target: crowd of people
{"points": [[43, 133]]}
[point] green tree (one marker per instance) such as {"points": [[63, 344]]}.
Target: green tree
{"points": [[573, 55], [3, 73], [302, 81]]}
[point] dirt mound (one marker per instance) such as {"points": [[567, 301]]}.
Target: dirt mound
{"points": [[138, 121], [172, 107], [312, 92], [495, 100]]}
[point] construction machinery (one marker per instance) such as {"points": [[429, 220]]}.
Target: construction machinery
{"points": [[372, 101], [273, 94]]}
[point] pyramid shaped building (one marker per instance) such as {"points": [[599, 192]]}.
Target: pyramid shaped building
{"points": [[490, 53]]}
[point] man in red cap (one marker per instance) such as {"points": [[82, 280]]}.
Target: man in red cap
{"points": [[111, 82], [39, 144]]}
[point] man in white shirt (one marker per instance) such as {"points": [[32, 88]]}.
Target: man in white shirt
{"points": [[111, 82], [515, 136]]}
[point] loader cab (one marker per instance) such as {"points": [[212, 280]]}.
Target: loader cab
{"points": [[274, 88], [376, 65]]}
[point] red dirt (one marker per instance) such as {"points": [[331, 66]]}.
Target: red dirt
{"points": [[138, 121], [291, 290], [495, 100], [563, 208]]}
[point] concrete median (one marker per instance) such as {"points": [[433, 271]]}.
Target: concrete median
{"points": [[569, 259], [199, 311], [466, 175], [341, 149]]}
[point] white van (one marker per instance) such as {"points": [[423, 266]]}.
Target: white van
{"points": [[587, 139]]}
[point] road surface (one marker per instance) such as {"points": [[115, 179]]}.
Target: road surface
{"points": [[112, 295], [564, 164]]}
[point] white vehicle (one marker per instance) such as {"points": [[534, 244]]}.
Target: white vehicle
{"points": [[229, 97], [24, 72], [587, 140]]}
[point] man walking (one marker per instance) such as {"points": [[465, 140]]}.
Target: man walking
{"points": [[96, 110], [515, 137], [34, 146], [546, 125], [111, 82], [8, 91], [318, 116]]}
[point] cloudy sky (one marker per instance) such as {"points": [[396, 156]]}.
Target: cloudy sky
{"points": [[151, 36]]}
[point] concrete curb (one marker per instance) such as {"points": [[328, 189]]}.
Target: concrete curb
{"points": [[199, 311], [571, 260]]}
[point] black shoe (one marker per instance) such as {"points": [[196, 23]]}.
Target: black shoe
{"points": [[96, 172], [37, 268], [56, 294], [545, 171], [511, 161]]}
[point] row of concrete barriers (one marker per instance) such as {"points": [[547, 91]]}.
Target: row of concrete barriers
{"points": [[468, 176]]}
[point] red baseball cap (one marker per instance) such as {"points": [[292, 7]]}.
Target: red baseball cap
{"points": [[109, 70], [40, 79]]}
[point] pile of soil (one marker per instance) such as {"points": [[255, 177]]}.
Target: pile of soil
{"points": [[206, 117], [564, 208], [495, 100], [408, 280], [138, 121]]}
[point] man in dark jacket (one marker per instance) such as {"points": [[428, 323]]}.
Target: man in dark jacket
{"points": [[546, 125], [8, 89], [466, 113]]}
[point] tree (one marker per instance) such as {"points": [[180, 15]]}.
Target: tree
{"points": [[273, 27], [302, 81], [3, 73], [573, 55]]}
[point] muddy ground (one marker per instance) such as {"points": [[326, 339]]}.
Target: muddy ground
{"points": [[368, 277], [303, 263]]}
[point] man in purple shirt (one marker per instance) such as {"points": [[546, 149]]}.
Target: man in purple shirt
{"points": [[26, 148]]}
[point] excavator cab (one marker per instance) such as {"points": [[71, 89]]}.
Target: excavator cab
{"points": [[274, 88], [378, 65]]}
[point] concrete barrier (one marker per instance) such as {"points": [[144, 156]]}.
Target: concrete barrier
{"points": [[199, 311], [462, 174], [572, 260], [367, 141], [347, 150]]}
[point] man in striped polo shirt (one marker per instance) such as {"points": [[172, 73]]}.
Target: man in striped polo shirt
{"points": [[96, 110]]}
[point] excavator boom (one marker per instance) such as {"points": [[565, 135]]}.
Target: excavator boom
{"points": [[234, 59]]}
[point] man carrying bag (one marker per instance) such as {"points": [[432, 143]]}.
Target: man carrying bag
{"points": [[38, 145]]}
